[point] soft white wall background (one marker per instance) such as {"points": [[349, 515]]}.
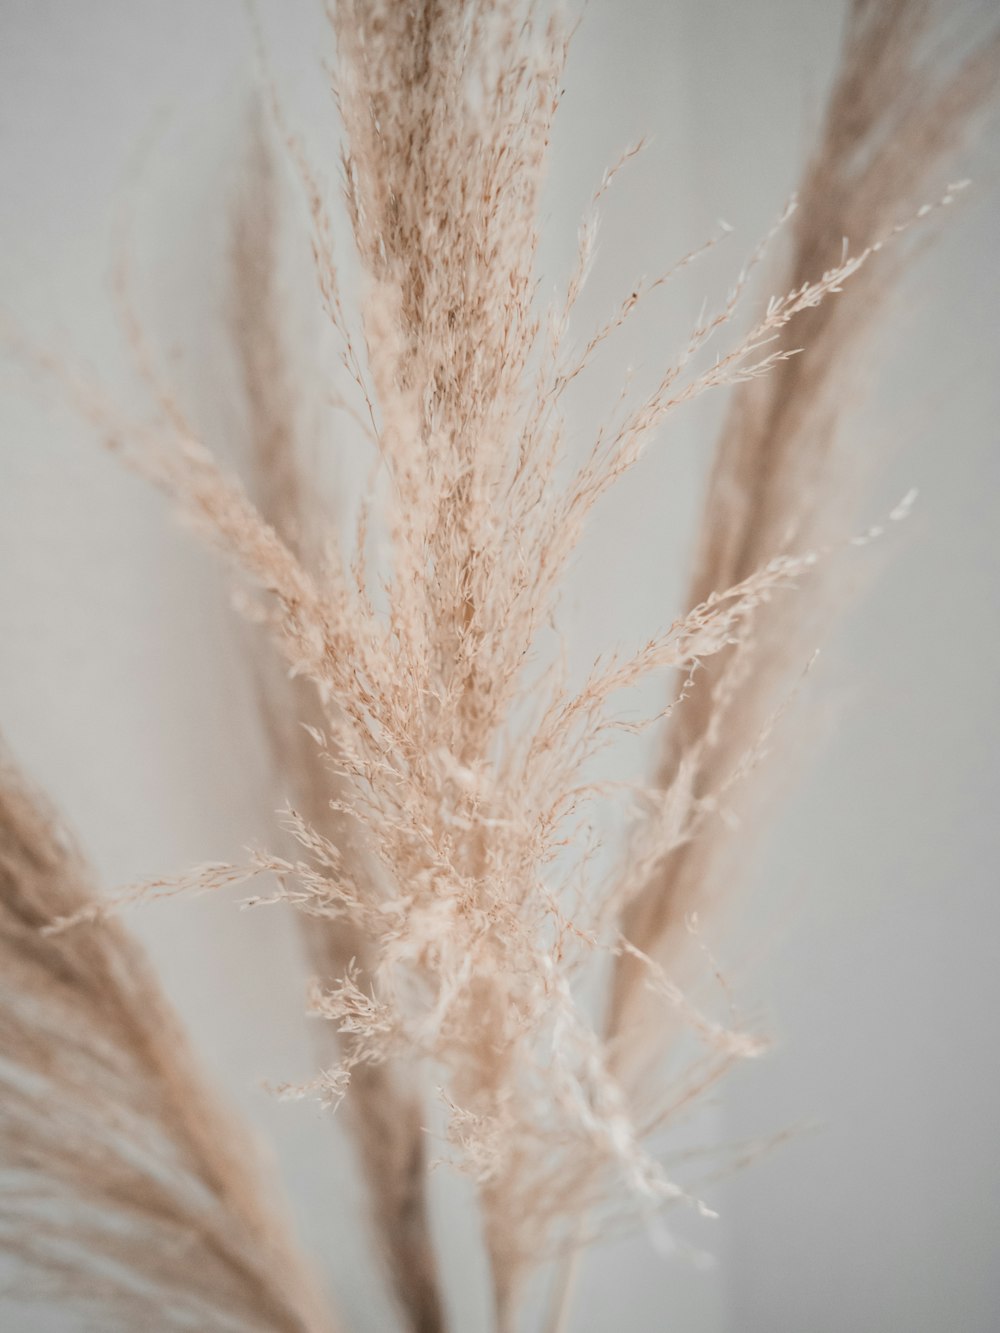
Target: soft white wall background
{"points": [[118, 660]]}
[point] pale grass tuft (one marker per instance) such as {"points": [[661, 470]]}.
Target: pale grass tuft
{"points": [[439, 842], [385, 1113], [786, 472], [128, 1191]]}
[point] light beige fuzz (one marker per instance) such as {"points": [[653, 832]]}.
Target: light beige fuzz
{"points": [[438, 840]]}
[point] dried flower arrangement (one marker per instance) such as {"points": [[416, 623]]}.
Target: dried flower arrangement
{"points": [[437, 763]]}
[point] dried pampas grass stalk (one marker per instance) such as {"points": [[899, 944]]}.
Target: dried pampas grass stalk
{"points": [[128, 1192], [385, 1111], [437, 758], [785, 474], [447, 863]]}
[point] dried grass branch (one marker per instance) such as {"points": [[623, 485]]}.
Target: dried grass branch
{"points": [[127, 1190], [464, 879], [385, 1113], [913, 84], [443, 785]]}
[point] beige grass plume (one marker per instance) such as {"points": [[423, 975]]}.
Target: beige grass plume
{"points": [[385, 1113], [472, 896], [443, 791], [127, 1190], [911, 86]]}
